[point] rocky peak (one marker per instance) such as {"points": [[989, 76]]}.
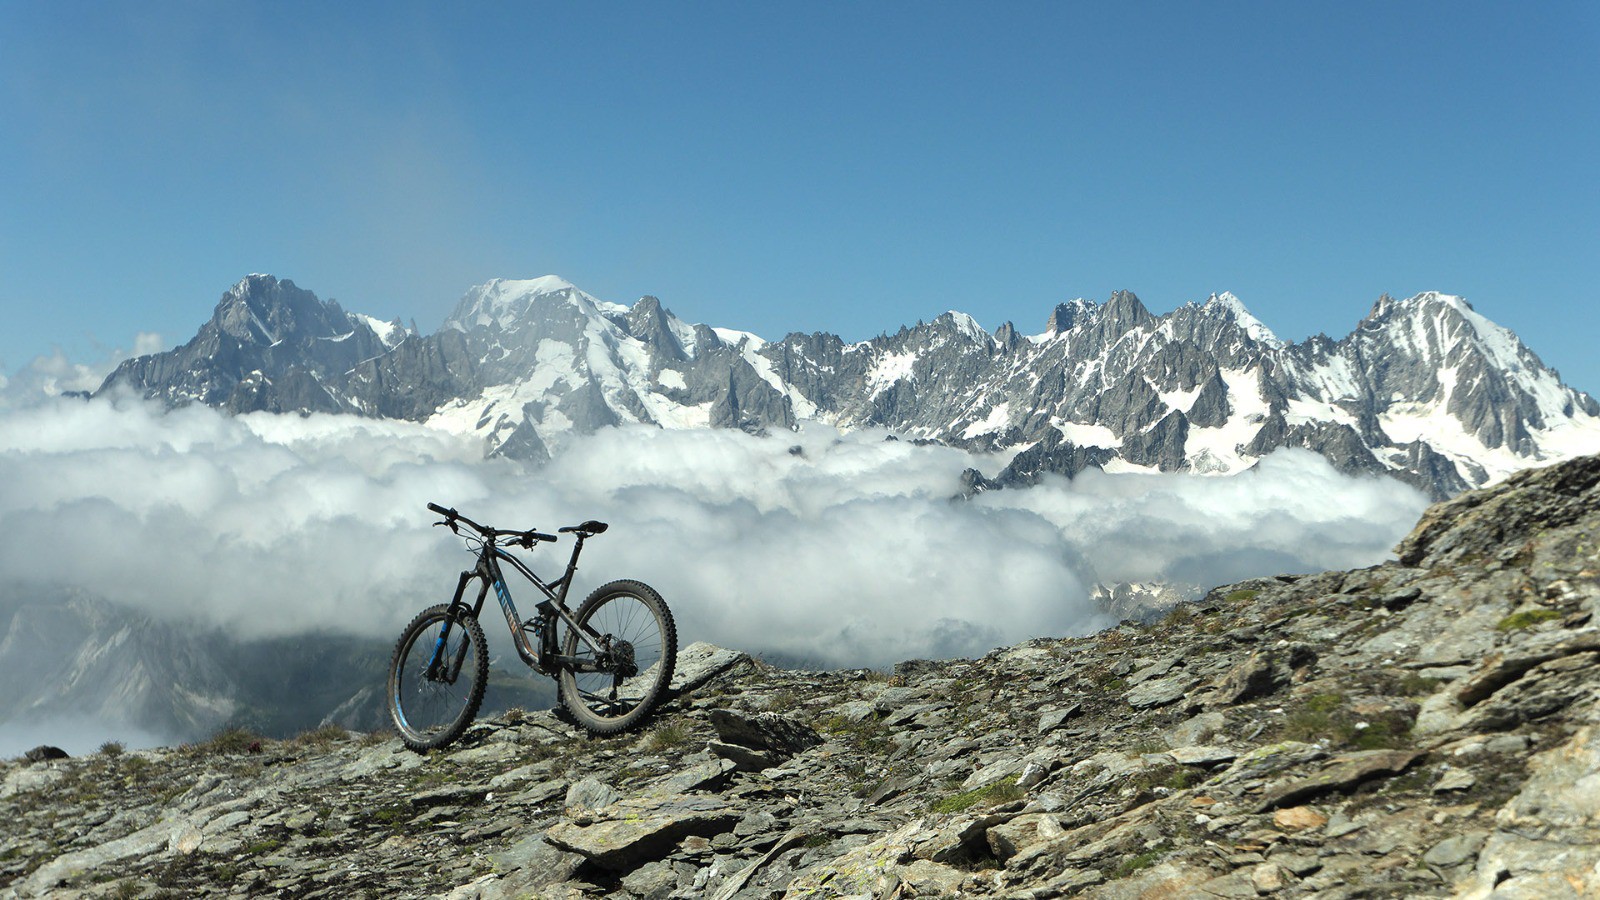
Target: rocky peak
{"points": [[1068, 316], [963, 326], [1006, 335], [649, 322], [1228, 307], [1124, 312], [263, 310]]}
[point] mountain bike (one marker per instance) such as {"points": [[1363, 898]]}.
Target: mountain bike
{"points": [[612, 659]]}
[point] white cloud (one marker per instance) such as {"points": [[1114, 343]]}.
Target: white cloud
{"points": [[53, 374], [844, 552]]}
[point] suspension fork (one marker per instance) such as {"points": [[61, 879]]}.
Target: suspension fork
{"points": [[453, 668]]}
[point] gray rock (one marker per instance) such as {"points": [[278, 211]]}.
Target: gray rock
{"points": [[587, 796], [764, 731], [745, 759], [1161, 692], [1454, 780], [636, 830], [1054, 718], [1456, 850], [1204, 756], [700, 662]]}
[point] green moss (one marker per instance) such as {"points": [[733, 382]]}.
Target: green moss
{"points": [[263, 847], [1324, 717], [1003, 791], [1324, 702], [1136, 863], [1526, 619], [1173, 778], [1241, 595], [1414, 685]]}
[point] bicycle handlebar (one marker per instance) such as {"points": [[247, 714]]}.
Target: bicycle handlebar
{"points": [[525, 538]]}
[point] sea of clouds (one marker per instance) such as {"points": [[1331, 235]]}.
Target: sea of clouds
{"points": [[815, 547]]}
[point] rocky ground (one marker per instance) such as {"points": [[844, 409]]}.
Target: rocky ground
{"points": [[1422, 728]]}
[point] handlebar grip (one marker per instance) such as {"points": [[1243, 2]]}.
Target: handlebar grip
{"points": [[441, 510], [540, 536]]}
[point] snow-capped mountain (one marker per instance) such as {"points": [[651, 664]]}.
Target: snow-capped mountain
{"points": [[1425, 389], [268, 346]]}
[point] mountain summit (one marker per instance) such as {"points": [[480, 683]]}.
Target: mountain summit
{"points": [[1425, 389]]}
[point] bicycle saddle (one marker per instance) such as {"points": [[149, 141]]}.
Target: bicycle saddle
{"points": [[587, 529]]}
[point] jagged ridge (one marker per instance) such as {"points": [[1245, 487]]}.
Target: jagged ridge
{"points": [[1425, 389]]}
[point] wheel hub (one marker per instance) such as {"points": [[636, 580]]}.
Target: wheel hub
{"points": [[622, 661]]}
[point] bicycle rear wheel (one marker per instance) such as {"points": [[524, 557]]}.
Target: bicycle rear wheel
{"points": [[633, 675], [430, 712]]}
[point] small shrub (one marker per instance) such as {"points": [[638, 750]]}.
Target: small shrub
{"points": [[1148, 744], [136, 767], [1526, 619], [1173, 778], [111, 749]]}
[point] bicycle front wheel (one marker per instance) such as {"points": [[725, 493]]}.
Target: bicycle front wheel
{"points": [[432, 709], [630, 673]]}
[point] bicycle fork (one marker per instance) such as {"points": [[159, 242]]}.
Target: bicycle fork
{"points": [[452, 669]]}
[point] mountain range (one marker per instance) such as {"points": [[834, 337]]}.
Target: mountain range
{"points": [[1425, 390]]}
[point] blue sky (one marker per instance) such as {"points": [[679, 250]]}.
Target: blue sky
{"points": [[817, 166]]}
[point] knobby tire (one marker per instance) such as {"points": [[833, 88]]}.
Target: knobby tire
{"points": [[430, 714], [631, 611]]}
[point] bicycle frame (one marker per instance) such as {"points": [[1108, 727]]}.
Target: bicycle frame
{"points": [[543, 659]]}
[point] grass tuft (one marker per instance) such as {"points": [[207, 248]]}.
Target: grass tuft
{"points": [[232, 740], [1526, 619], [321, 737], [668, 734]]}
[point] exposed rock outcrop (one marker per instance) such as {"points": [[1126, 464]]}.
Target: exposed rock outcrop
{"points": [[1427, 727]]}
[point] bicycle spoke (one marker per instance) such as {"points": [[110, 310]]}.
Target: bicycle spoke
{"points": [[431, 711]]}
